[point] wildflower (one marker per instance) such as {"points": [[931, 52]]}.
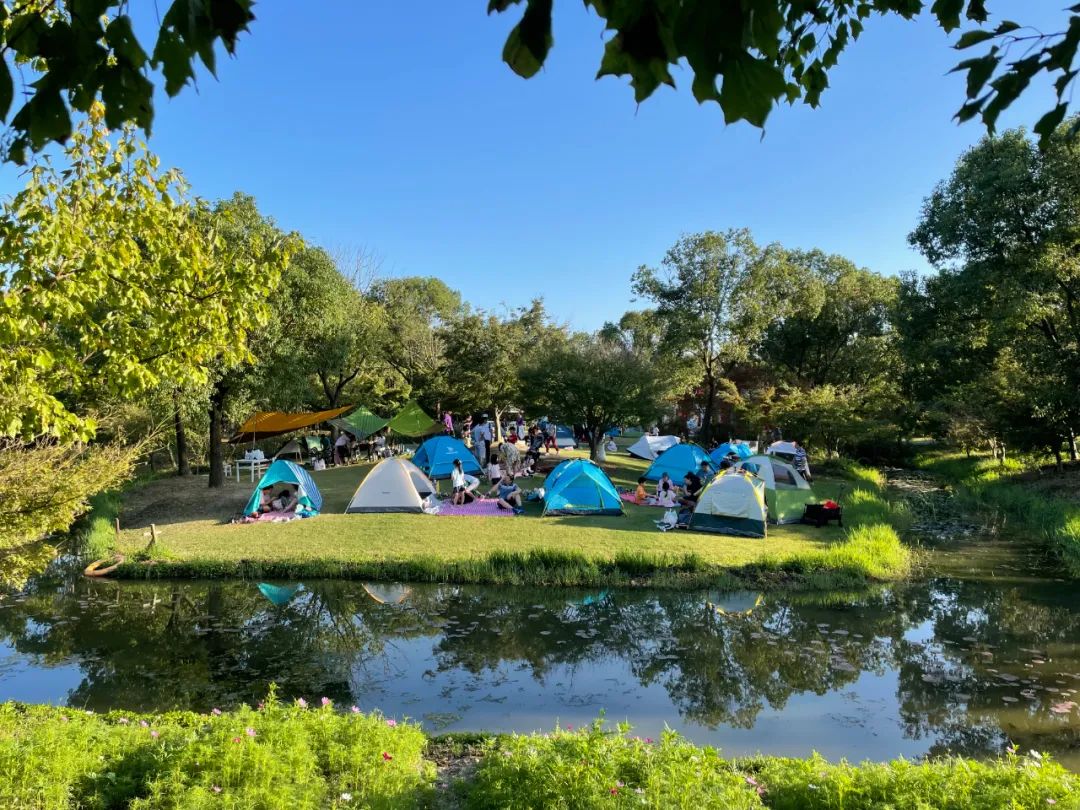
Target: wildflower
{"points": [[614, 791], [216, 712], [236, 739], [391, 722], [215, 788], [261, 706], [144, 724], [1012, 749], [123, 721], [154, 733], [619, 785], [346, 797], [1051, 801], [250, 732], [355, 710], [507, 754], [326, 701], [751, 781], [386, 757], [569, 726], [301, 703], [648, 740], [639, 791], [1034, 754]]}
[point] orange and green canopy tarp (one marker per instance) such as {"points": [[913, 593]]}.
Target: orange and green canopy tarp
{"points": [[274, 423], [412, 421]]}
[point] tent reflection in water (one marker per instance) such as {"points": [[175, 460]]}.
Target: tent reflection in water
{"points": [[387, 593], [393, 485], [733, 503], [279, 595]]}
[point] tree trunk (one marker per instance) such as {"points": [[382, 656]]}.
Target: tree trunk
{"points": [[182, 466], [498, 425], [596, 448], [217, 456], [705, 430], [1059, 464]]}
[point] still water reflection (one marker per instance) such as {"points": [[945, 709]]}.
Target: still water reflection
{"points": [[948, 664]]}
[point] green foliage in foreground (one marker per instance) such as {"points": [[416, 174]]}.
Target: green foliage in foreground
{"points": [[593, 768], [986, 484], [296, 757], [279, 756]]}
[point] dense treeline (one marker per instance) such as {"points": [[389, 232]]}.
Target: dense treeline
{"points": [[136, 315]]}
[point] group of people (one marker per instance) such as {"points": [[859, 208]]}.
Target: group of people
{"points": [[346, 447], [465, 488], [670, 495]]}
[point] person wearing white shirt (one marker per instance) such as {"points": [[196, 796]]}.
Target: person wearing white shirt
{"points": [[463, 484]]}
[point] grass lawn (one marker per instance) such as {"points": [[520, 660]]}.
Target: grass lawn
{"points": [[196, 538]]}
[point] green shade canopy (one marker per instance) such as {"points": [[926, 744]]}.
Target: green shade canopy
{"points": [[361, 423], [412, 421]]}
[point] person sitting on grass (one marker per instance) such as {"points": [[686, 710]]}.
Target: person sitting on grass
{"points": [[509, 494], [494, 471], [464, 485], [692, 487], [640, 495], [705, 472], [664, 479], [666, 496]]}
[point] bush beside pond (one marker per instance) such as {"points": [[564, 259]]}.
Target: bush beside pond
{"points": [[293, 756]]}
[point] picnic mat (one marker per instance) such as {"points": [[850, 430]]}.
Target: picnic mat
{"points": [[484, 507], [272, 517], [629, 498]]}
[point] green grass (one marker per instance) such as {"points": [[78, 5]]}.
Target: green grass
{"points": [[987, 485], [289, 756], [197, 541], [95, 532]]}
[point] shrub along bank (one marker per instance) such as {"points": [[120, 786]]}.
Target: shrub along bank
{"points": [[984, 484], [292, 756]]}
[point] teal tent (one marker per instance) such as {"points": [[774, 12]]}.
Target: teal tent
{"points": [[740, 449], [361, 423], [436, 457], [286, 472], [411, 421], [677, 461], [580, 487]]}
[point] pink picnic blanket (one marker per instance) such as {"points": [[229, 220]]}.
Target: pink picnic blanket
{"points": [[629, 498], [272, 517], [484, 507]]}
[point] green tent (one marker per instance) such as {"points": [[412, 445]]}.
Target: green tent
{"points": [[361, 423], [412, 421]]}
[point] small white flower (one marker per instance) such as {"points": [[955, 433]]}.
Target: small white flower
{"points": [[346, 797]]}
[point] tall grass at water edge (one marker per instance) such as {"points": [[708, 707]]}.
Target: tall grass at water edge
{"points": [[986, 485], [325, 756]]}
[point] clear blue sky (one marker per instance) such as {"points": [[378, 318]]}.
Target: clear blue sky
{"points": [[395, 126]]}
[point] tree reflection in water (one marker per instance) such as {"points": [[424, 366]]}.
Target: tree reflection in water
{"points": [[976, 665]]}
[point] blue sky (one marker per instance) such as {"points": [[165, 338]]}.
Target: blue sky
{"points": [[397, 128]]}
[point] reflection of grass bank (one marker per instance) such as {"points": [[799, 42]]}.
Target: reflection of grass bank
{"points": [[295, 757], [531, 550], [986, 485]]}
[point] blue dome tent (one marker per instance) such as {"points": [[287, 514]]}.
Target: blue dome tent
{"points": [[677, 461], [579, 487], [286, 472], [742, 450], [436, 457]]}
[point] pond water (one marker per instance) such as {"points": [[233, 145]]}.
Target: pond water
{"points": [[963, 663]]}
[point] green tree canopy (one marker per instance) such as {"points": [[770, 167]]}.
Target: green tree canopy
{"points": [[110, 282]]}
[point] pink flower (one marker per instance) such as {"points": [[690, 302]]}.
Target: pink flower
{"points": [[386, 757], [614, 791], [216, 712], [301, 703], [261, 706], [355, 710], [751, 781], [236, 739], [215, 788], [391, 722], [569, 726], [326, 701], [648, 740], [154, 733], [144, 724], [250, 732]]}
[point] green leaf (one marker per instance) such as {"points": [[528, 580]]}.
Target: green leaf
{"points": [[174, 58], [970, 38], [121, 38], [948, 13], [530, 40], [7, 89], [24, 33], [751, 87], [1049, 122], [979, 71]]}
